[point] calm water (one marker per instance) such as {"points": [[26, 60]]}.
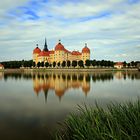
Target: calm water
{"points": [[32, 104]]}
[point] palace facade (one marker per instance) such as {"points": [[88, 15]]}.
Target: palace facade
{"points": [[59, 54]]}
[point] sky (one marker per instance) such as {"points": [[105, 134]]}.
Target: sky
{"points": [[111, 28]]}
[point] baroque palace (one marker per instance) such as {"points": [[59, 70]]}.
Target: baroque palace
{"points": [[59, 54]]}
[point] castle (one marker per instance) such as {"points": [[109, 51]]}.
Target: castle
{"points": [[59, 54]]}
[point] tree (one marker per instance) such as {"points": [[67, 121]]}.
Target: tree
{"points": [[132, 63], [50, 65], [33, 64], [38, 64], [98, 63], [124, 63], [81, 63], [128, 64], [93, 62], [63, 63], [42, 64], [58, 64], [74, 63], [87, 63], [22, 62], [46, 64], [68, 63], [54, 64], [102, 63], [112, 63], [30, 63]]}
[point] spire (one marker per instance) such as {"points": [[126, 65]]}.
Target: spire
{"points": [[45, 46]]}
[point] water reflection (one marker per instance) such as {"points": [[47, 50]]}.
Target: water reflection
{"points": [[60, 82], [25, 116]]}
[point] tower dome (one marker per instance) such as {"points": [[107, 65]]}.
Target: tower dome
{"points": [[59, 47], [85, 49], [36, 50]]}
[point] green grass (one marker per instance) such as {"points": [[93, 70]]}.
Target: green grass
{"points": [[118, 122]]}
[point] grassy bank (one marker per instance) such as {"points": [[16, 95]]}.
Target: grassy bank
{"points": [[118, 122]]}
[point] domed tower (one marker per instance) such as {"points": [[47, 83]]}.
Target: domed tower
{"points": [[85, 53], [59, 52], [36, 52]]}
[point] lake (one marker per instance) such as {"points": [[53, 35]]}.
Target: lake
{"points": [[33, 103]]}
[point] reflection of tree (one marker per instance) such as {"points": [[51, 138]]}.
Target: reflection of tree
{"points": [[80, 78], [68, 77], [54, 76], [63, 76], [74, 77], [38, 76], [58, 76], [46, 76], [88, 78], [5, 77], [102, 77]]}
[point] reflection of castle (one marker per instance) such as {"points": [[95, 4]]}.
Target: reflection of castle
{"points": [[119, 75], [60, 83], [1, 75], [59, 54]]}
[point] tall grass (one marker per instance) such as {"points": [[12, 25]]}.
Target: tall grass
{"points": [[118, 122]]}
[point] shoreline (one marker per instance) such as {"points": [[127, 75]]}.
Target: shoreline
{"points": [[68, 70]]}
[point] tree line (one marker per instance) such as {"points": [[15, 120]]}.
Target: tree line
{"points": [[79, 63], [74, 63], [18, 64]]}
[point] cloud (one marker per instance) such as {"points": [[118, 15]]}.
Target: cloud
{"points": [[110, 27]]}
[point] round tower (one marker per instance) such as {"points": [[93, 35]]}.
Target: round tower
{"points": [[36, 52], [85, 53]]}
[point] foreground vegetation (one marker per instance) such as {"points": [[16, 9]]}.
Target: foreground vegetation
{"points": [[118, 122]]}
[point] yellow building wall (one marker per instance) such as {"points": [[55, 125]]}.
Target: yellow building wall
{"points": [[35, 58], [60, 56], [85, 56]]}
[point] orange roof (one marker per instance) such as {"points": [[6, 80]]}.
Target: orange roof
{"points": [[51, 52], [36, 50], [43, 53], [119, 63], [76, 53], [85, 50], [1, 65], [59, 47], [67, 51]]}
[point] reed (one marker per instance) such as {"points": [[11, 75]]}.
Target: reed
{"points": [[118, 122]]}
